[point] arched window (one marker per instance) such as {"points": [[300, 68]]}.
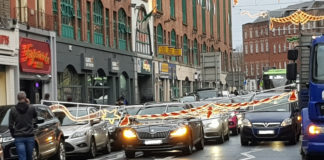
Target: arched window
{"points": [[211, 17], [142, 33], [67, 15], [159, 37], [69, 85], [203, 13], [98, 88], [212, 49], [98, 22], [204, 48], [122, 30], [173, 42], [123, 85], [195, 52], [185, 49]]}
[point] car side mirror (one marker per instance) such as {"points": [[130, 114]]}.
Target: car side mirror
{"points": [[94, 121], [40, 120]]}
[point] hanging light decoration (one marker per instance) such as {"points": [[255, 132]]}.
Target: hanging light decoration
{"points": [[261, 14], [299, 17]]}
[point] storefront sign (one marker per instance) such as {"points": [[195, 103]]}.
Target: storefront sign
{"points": [[144, 66], [113, 65], [170, 51], [88, 62], [164, 70], [35, 56], [4, 40]]}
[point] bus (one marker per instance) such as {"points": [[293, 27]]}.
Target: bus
{"points": [[273, 78]]}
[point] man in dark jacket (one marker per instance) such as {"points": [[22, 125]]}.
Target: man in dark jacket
{"points": [[21, 127]]}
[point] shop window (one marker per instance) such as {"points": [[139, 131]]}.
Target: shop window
{"points": [[185, 86], [203, 13], [98, 22], [123, 85], [184, 11], [122, 30], [173, 42], [98, 88], [185, 49], [69, 85], [195, 52], [67, 16], [142, 33], [159, 38], [194, 13]]}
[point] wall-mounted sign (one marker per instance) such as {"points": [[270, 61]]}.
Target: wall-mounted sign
{"points": [[4, 40], [144, 66], [88, 62], [170, 51], [35, 56], [113, 65], [164, 70]]}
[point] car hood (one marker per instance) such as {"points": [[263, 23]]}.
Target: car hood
{"points": [[4, 131], [69, 130], [267, 116], [157, 125]]}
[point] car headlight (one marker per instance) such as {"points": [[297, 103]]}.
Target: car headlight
{"points": [[179, 132], [79, 134], [246, 123], [6, 139], [213, 124], [286, 122], [128, 133]]}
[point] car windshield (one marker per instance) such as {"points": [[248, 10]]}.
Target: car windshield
{"points": [[280, 105], [207, 94], [188, 99], [4, 116], [132, 111], [152, 110], [318, 73], [66, 121]]}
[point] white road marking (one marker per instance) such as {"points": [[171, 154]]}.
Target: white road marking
{"points": [[166, 158], [248, 155]]}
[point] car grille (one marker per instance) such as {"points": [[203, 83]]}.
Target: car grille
{"points": [[212, 134], [66, 137], [266, 125], [68, 147], [146, 135]]}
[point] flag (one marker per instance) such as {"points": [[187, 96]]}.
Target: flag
{"points": [[144, 23]]}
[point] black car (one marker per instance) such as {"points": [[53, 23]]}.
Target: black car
{"points": [[49, 139], [162, 134], [276, 120]]}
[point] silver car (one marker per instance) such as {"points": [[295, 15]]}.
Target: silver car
{"points": [[84, 137], [216, 128]]}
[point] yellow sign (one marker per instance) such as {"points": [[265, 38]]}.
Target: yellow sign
{"points": [[169, 51], [177, 52], [163, 50], [165, 67]]}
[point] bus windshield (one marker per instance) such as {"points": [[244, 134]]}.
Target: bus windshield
{"points": [[274, 78]]}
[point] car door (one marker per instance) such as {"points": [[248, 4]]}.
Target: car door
{"points": [[46, 132], [100, 130]]}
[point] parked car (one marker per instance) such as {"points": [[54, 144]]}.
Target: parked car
{"points": [[49, 139], [276, 120], [216, 128], [85, 137], [162, 134], [1, 153], [233, 123]]}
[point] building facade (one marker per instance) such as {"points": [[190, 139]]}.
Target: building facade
{"points": [[195, 26]]}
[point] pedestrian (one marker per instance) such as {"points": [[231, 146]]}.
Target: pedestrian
{"points": [[21, 126], [236, 93], [46, 98]]}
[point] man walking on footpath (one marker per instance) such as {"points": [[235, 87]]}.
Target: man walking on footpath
{"points": [[21, 127]]}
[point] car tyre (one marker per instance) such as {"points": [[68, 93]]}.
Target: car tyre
{"points": [[93, 149], [293, 140], [35, 154], [227, 136], [60, 155], [201, 144], [235, 131], [244, 141], [108, 146], [130, 154], [221, 139]]}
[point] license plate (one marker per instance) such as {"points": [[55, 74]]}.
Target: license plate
{"points": [[266, 132], [152, 142]]}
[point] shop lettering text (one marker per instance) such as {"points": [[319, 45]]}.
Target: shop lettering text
{"points": [[34, 58], [146, 66], [4, 40]]}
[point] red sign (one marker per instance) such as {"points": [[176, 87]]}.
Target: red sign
{"points": [[35, 56], [4, 40]]}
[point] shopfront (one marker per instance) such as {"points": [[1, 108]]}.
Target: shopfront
{"points": [[186, 77], [174, 83], [93, 75], [144, 79], [9, 81], [163, 82]]}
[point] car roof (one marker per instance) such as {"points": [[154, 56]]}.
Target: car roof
{"points": [[268, 94]]}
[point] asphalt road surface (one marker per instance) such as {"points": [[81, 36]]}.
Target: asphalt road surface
{"points": [[230, 150]]}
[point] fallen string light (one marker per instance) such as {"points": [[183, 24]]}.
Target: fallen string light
{"points": [[261, 14]]}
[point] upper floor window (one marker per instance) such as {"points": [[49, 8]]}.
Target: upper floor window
{"points": [[98, 22], [194, 13], [122, 29], [142, 33], [245, 35], [203, 13], [159, 5], [67, 16], [195, 52], [173, 42], [172, 9], [185, 49], [184, 11]]}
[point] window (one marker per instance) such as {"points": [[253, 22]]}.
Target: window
{"points": [[251, 48], [107, 28], [267, 46], [195, 52], [285, 65], [185, 49], [203, 13], [172, 9], [308, 25], [184, 11], [256, 33], [159, 5], [279, 65], [211, 18], [284, 30], [115, 29], [88, 22], [252, 70], [261, 34], [173, 42], [159, 37], [98, 22], [69, 85], [246, 70], [289, 31], [251, 34], [262, 47], [279, 48], [67, 16], [274, 32], [204, 48], [256, 47], [218, 20], [295, 29], [266, 31], [245, 35], [79, 18], [246, 49], [122, 30], [274, 48], [224, 20], [285, 47], [314, 25], [257, 69], [142, 34], [194, 13], [279, 31]]}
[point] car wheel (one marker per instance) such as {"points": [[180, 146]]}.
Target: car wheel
{"points": [[244, 141], [227, 136], [201, 144], [293, 139], [130, 154], [108, 146], [60, 154], [35, 154], [235, 131], [221, 139], [188, 149], [92, 149]]}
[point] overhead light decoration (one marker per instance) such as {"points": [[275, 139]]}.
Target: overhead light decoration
{"points": [[299, 17], [206, 110], [261, 14]]}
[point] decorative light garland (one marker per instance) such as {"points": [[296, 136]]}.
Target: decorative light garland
{"points": [[206, 110], [261, 14], [299, 17]]}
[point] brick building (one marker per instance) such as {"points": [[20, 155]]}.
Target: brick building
{"points": [[195, 26], [264, 48]]}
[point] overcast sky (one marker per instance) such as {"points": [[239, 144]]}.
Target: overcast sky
{"points": [[254, 7]]}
